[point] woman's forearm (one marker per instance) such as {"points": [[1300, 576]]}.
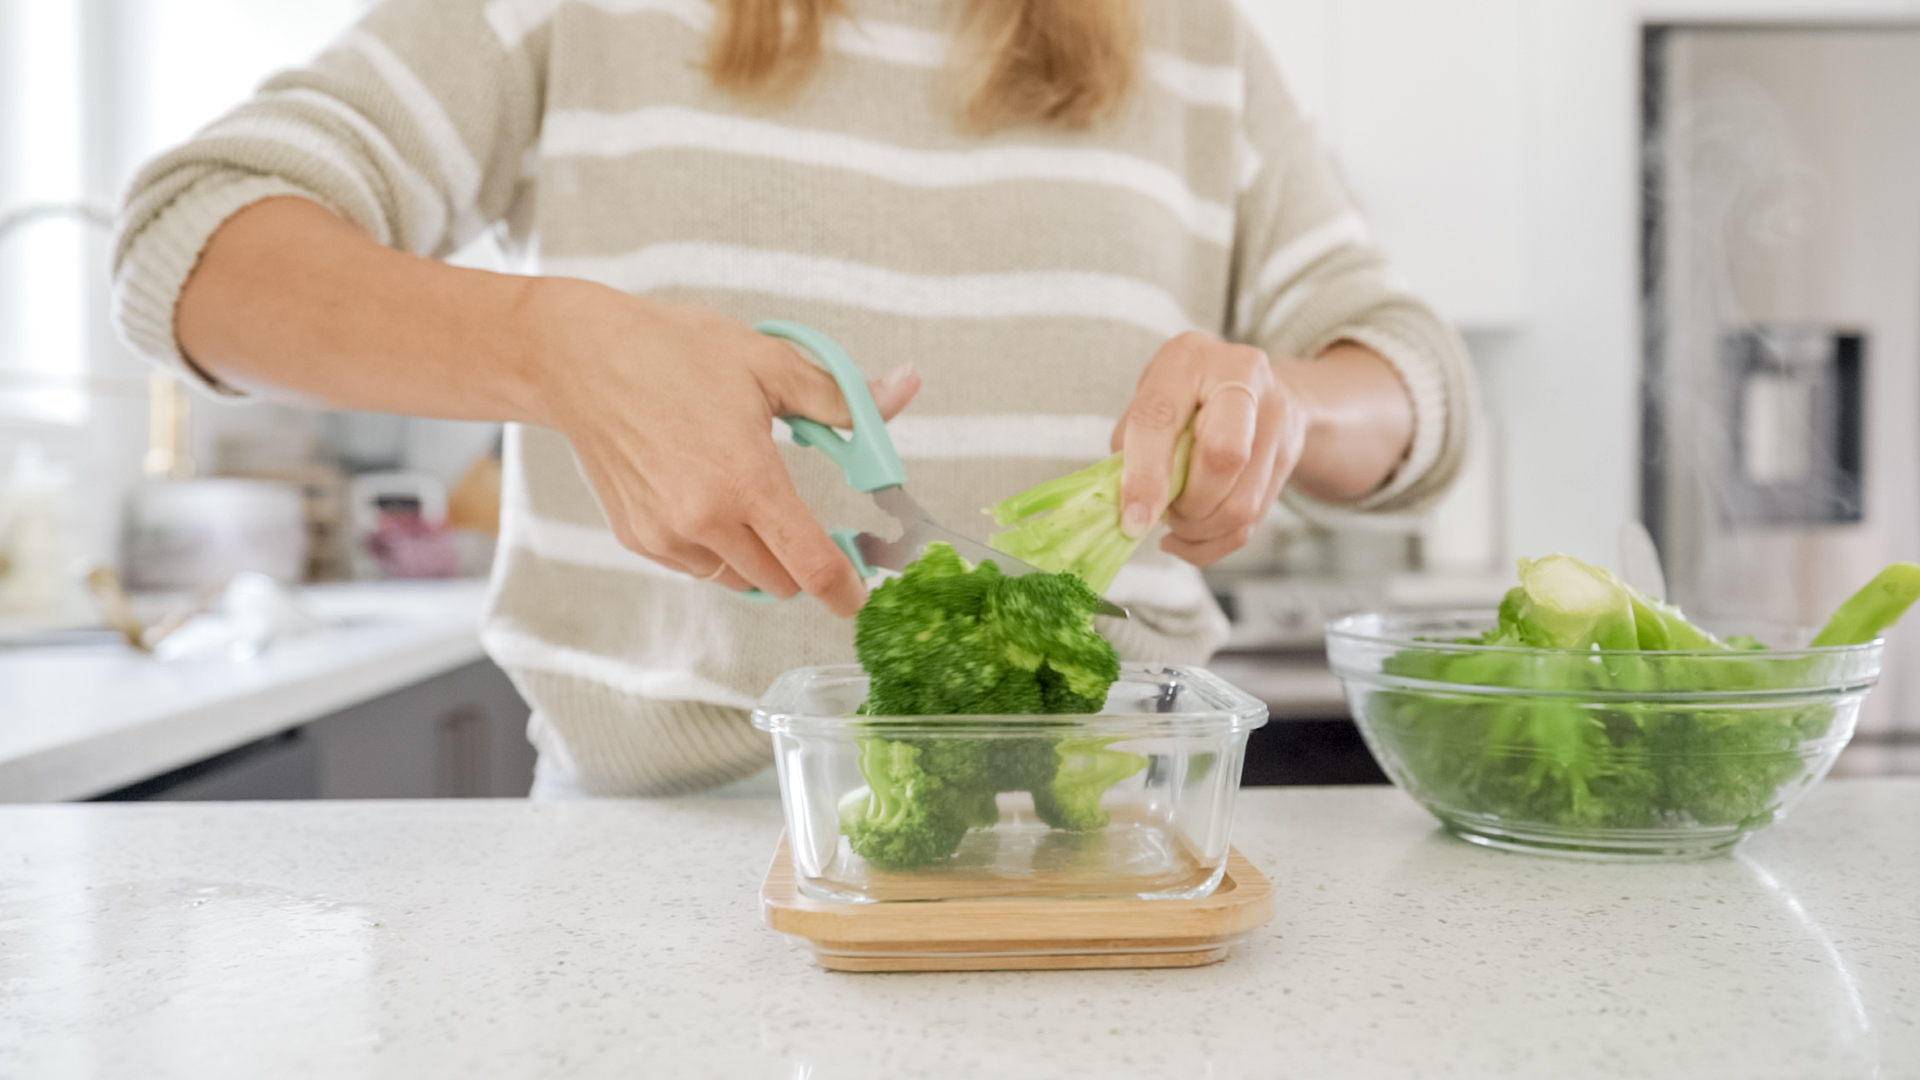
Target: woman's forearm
{"points": [[291, 302], [669, 407], [1360, 426]]}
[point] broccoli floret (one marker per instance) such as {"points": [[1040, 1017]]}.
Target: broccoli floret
{"points": [[908, 817], [1044, 625], [1071, 524], [949, 639], [946, 639]]}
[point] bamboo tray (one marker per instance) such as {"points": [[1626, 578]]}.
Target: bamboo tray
{"points": [[1019, 935]]}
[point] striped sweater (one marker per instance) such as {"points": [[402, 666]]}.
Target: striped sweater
{"points": [[1029, 275]]}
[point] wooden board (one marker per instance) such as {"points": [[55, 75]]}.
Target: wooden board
{"points": [[986, 935]]}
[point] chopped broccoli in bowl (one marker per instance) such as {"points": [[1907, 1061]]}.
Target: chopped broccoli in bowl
{"points": [[1591, 719]]}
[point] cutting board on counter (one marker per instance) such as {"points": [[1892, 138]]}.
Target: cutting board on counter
{"points": [[1019, 935]]}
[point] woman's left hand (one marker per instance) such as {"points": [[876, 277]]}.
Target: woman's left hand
{"points": [[1249, 430], [1337, 428]]}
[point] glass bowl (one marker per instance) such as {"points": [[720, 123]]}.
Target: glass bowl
{"points": [[1171, 740], [1606, 755]]}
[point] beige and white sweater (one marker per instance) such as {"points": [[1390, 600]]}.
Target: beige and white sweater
{"points": [[1029, 275]]}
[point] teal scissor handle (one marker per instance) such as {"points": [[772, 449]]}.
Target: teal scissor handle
{"points": [[867, 456]]}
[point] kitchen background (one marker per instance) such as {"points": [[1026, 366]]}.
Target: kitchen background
{"points": [[1682, 240]]}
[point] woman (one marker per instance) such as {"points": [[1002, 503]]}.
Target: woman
{"points": [[1039, 216]]}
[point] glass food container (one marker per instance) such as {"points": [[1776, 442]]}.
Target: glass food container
{"points": [[1141, 794], [1597, 754]]}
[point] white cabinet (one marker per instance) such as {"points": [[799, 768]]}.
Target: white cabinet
{"points": [[1425, 105]]}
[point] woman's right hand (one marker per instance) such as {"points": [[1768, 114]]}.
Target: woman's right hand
{"points": [[670, 409]]}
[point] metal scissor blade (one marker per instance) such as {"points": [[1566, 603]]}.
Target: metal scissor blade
{"points": [[918, 529]]}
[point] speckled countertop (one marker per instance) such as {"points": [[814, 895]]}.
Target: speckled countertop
{"points": [[622, 939]]}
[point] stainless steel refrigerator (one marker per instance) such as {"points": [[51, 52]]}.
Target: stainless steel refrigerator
{"points": [[1781, 248]]}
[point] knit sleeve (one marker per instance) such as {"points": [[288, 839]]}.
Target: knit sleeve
{"points": [[1308, 276], [414, 125]]}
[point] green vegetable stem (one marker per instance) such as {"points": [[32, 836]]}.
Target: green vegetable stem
{"points": [[1874, 608], [1071, 524]]}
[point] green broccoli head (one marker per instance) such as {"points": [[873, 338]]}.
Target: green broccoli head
{"points": [[1044, 624], [922, 643], [949, 639], [908, 817]]}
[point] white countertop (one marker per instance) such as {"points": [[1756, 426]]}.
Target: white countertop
{"points": [[79, 720], [623, 939]]}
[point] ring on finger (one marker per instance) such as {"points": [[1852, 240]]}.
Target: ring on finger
{"points": [[1244, 388], [717, 571]]}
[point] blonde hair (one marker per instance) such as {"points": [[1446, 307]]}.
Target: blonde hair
{"points": [[1067, 62]]}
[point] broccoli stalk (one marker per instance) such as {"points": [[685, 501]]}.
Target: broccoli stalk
{"points": [[949, 639], [908, 817], [1087, 768], [1071, 524], [1874, 608], [1566, 604]]}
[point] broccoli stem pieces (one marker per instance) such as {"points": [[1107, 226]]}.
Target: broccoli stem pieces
{"points": [[1580, 751], [1071, 524]]}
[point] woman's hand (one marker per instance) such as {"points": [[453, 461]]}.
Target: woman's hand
{"points": [[670, 408], [1336, 426]]}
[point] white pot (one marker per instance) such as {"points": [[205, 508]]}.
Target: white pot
{"points": [[182, 534]]}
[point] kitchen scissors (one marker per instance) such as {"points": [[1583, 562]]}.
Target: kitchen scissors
{"points": [[873, 467]]}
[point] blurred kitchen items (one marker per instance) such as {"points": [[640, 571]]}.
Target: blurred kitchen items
{"points": [[400, 527], [364, 442], [1297, 572], [116, 613], [169, 412], [254, 613], [181, 534], [36, 580], [474, 502], [284, 445], [407, 545]]}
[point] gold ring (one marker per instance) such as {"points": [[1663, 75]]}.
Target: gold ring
{"points": [[1243, 387], [717, 571]]}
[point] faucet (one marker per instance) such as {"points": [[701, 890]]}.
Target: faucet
{"points": [[92, 213]]}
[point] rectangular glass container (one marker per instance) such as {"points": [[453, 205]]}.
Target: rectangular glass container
{"points": [[1174, 738]]}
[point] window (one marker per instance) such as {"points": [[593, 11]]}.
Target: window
{"points": [[90, 89], [42, 291]]}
